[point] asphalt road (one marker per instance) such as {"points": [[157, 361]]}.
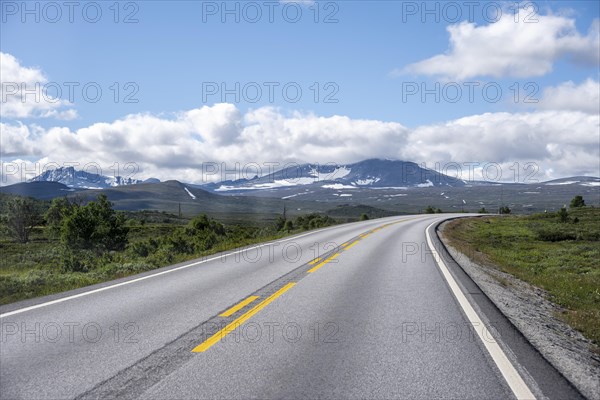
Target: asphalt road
{"points": [[363, 310]]}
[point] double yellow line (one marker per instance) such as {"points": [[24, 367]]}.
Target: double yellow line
{"points": [[325, 261], [232, 326], [208, 343]]}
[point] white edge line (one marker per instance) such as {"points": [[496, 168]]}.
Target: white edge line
{"points": [[510, 374], [75, 296]]}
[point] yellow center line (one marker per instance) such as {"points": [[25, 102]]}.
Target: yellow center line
{"points": [[351, 245], [348, 245], [239, 306], [240, 320], [316, 260], [319, 265]]}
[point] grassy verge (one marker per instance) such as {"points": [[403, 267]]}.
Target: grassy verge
{"points": [[560, 257], [37, 268]]}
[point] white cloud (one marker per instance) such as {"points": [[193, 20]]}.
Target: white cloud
{"points": [[35, 101], [584, 97], [15, 140], [510, 49], [561, 143]]}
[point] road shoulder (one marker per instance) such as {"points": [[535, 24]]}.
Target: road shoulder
{"points": [[529, 310]]}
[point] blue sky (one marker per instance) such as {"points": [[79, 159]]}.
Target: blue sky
{"points": [[365, 57]]}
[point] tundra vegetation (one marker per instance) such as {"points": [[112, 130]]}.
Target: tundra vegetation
{"points": [[557, 252], [50, 247]]}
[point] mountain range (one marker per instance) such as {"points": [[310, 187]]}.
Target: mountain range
{"points": [[385, 186], [368, 174]]}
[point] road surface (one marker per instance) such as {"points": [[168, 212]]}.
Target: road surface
{"points": [[362, 310]]}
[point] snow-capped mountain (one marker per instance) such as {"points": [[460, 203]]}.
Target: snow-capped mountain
{"points": [[373, 173], [73, 178]]}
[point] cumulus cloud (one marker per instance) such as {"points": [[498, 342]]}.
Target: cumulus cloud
{"points": [[584, 97], [560, 143], [24, 94], [15, 140], [510, 49]]}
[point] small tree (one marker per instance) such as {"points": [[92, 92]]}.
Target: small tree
{"points": [[279, 223], [577, 202], [430, 210], [363, 217], [563, 215], [202, 224], [438, 211], [504, 210], [21, 217], [289, 225], [482, 210], [95, 226], [60, 208]]}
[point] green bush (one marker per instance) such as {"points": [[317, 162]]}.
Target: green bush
{"points": [[279, 223], [206, 242], [163, 256], [289, 225], [563, 215], [95, 226], [144, 248], [313, 221], [180, 243], [555, 235], [577, 202], [202, 223], [60, 208], [79, 260]]}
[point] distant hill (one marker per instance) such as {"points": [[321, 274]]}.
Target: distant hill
{"points": [[39, 190], [589, 181]]}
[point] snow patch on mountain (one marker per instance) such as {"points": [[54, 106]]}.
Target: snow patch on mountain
{"points": [[561, 183], [368, 181], [190, 193], [276, 184], [428, 183], [337, 173], [338, 186]]}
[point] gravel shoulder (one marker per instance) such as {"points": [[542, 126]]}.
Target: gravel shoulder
{"points": [[529, 309]]}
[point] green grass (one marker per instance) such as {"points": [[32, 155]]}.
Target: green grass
{"points": [[562, 258], [37, 268]]}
